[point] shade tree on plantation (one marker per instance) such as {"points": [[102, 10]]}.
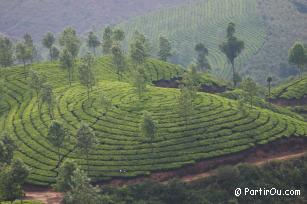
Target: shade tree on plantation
{"points": [[251, 88], [48, 98], [93, 41], [70, 41], [165, 48], [57, 136], [67, 62], [202, 61], [298, 57], [232, 48], [48, 42], [107, 40], [118, 59], [86, 141], [6, 52], [65, 173], [86, 74], [148, 127]]}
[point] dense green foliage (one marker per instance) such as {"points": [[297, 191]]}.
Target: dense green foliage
{"points": [[220, 188]]}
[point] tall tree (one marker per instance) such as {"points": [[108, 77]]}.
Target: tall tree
{"points": [[298, 56], [86, 74], [48, 98], [140, 81], [188, 92], [31, 50], [148, 127], [202, 53], [36, 82], [6, 52], [56, 136], [86, 140], [22, 55], [118, 59], [93, 41], [118, 35], [48, 42], [232, 48], [164, 48], [70, 41], [269, 81], [7, 148], [81, 190], [54, 53], [251, 89], [63, 180], [12, 178], [67, 62], [138, 52], [193, 76], [107, 40]]}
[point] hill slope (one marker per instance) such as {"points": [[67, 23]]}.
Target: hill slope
{"points": [[217, 127], [203, 21], [37, 17], [292, 90]]}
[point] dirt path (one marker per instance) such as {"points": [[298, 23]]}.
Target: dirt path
{"points": [[257, 162], [45, 195]]}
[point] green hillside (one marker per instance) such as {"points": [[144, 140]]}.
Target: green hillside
{"points": [[203, 21], [293, 89], [217, 127]]}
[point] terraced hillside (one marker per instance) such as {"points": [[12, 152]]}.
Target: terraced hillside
{"points": [[293, 89], [293, 94], [203, 21], [217, 127], [18, 17]]}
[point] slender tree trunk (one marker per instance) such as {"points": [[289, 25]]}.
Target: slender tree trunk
{"points": [[269, 89], [88, 92], [118, 74], [87, 164], [24, 68], [50, 53], [69, 73], [51, 112], [233, 74], [251, 101], [300, 71]]}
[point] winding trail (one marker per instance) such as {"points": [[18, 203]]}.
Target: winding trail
{"points": [[256, 162], [49, 196]]}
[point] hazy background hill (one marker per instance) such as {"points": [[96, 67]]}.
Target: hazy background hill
{"points": [[268, 27], [39, 16]]}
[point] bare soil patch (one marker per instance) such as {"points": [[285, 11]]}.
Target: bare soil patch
{"points": [[289, 102], [44, 194]]}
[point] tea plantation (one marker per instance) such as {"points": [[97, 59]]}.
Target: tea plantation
{"points": [[203, 21], [218, 126], [293, 89]]}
